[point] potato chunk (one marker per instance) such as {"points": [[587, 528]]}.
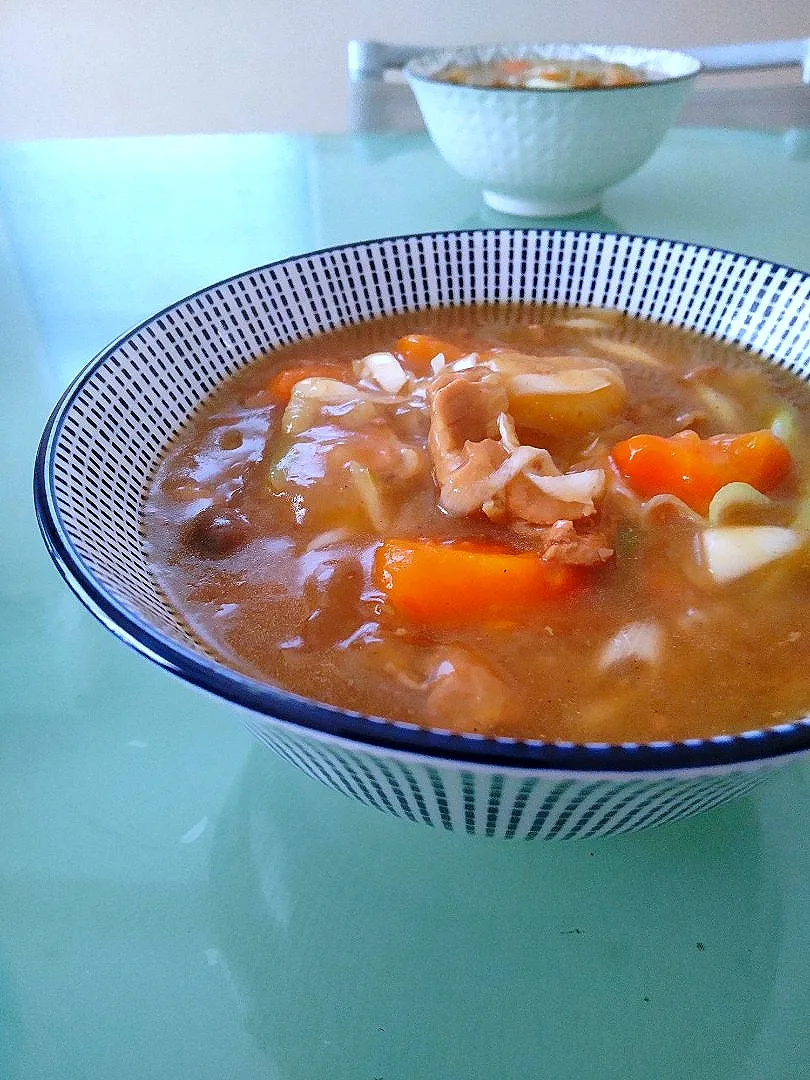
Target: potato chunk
{"points": [[566, 402]]}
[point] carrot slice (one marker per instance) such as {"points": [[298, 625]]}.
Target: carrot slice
{"points": [[514, 67], [281, 385], [417, 350], [694, 469], [437, 583]]}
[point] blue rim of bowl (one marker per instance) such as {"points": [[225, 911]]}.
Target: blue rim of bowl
{"points": [[432, 54], [272, 703]]}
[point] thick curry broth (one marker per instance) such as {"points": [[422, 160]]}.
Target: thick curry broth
{"points": [[265, 542]]}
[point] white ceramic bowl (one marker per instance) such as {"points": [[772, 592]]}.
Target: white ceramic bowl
{"points": [[106, 436], [548, 152]]}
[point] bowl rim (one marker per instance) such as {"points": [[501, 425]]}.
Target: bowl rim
{"points": [[271, 703], [444, 56]]}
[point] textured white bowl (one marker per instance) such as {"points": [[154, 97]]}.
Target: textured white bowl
{"points": [[550, 152]]}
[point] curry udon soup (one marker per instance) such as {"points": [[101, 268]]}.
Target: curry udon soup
{"points": [[507, 73], [533, 521]]}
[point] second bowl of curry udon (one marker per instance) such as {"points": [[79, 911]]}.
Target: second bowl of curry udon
{"points": [[546, 128], [538, 497]]}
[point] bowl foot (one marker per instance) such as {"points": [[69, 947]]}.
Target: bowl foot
{"points": [[510, 204]]}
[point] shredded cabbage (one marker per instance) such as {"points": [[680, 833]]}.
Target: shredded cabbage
{"points": [[507, 432], [464, 363], [310, 396], [517, 461], [385, 369], [581, 487], [575, 381], [636, 641]]}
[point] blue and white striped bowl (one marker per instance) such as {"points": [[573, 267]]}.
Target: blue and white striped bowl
{"points": [[106, 436]]}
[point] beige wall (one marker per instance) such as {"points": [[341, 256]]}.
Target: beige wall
{"points": [[99, 67]]}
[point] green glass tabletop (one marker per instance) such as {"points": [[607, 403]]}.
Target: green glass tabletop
{"points": [[176, 901]]}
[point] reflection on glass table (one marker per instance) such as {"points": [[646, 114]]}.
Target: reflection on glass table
{"points": [[464, 959]]}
